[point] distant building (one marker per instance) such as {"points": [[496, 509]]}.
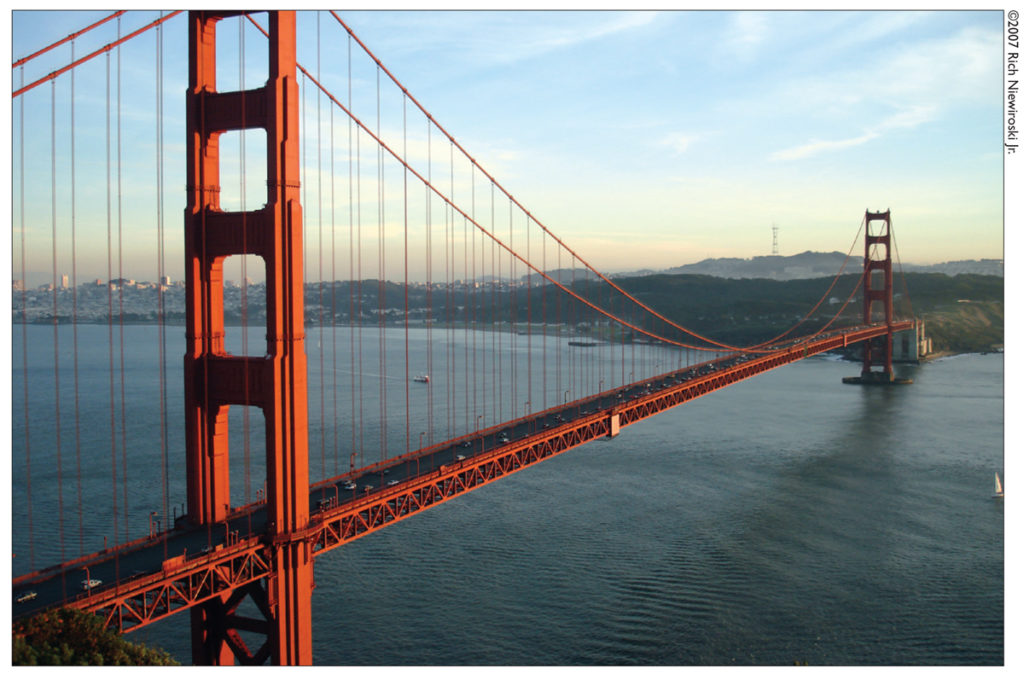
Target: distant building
{"points": [[63, 280], [165, 280]]}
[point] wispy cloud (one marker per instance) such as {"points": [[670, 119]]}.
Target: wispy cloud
{"points": [[816, 147], [903, 119], [894, 85], [678, 142], [747, 31], [549, 38]]}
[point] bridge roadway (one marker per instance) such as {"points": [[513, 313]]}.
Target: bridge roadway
{"points": [[147, 579]]}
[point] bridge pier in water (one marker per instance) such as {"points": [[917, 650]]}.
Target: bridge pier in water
{"points": [[877, 258], [275, 381]]}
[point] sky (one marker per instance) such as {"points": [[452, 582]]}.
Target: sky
{"points": [[700, 130], [642, 139]]}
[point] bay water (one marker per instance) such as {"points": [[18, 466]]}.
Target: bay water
{"points": [[786, 519]]}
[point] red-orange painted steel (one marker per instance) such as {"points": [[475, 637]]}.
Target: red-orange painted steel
{"points": [[240, 568], [350, 521], [215, 380], [874, 293], [88, 57]]}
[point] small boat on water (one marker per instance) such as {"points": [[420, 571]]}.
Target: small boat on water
{"points": [[422, 378], [999, 488]]}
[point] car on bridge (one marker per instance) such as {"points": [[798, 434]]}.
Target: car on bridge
{"points": [[90, 583]]}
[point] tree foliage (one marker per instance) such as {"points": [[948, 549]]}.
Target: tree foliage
{"points": [[71, 637]]}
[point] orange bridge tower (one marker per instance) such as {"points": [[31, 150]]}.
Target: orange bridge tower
{"points": [[274, 381], [876, 286]]}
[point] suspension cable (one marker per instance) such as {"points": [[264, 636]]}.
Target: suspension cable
{"points": [[89, 57], [835, 279], [903, 276], [70, 37], [521, 207], [383, 146]]}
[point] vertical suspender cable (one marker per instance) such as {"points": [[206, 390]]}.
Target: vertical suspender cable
{"points": [[529, 324], [24, 326], [449, 254], [359, 295], [381, 288], [560, 322], [56, 341], [500, 354], [468, 243], [74, 320], [573, 322], [404, 208], [544, 322], [482, 313], [351, 274], [513, 310], [161, 272], [120, 306], [320, 261], [495, 328], [334, 308], [110, 319], [471, 303], [430, 289], [899, 263]]}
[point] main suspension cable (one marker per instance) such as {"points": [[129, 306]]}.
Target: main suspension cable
{"points": [[70, 37], [89, 57]]}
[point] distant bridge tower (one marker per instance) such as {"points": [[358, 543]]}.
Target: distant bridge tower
{"points": [[274, 381], [877, 289], [775, 239]]}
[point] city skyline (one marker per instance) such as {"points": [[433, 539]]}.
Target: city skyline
{"points": [[607, 124]]}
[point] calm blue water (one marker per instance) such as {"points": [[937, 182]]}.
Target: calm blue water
{"points": [[788, 518]]}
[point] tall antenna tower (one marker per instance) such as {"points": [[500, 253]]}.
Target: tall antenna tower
{"points": [[775, 239]]}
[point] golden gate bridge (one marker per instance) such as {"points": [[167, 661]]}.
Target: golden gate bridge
{"points": [[458, 339]]}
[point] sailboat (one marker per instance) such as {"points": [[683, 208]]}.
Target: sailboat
{"points": [[999, 488]]}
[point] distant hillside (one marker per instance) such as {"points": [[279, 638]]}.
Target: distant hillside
{"points": [[560, 275], [809, 265], [780, 267], [963, 313]]}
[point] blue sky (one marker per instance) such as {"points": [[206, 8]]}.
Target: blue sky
{"points": [[654, 139], [699, 130]]}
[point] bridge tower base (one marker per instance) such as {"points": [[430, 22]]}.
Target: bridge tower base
{"points": [[877, 267], [274, 381]]}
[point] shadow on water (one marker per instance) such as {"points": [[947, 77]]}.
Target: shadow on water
{"points": [[829, 524]]}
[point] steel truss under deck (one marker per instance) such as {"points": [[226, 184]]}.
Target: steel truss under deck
{"points": [[228, 573]]}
